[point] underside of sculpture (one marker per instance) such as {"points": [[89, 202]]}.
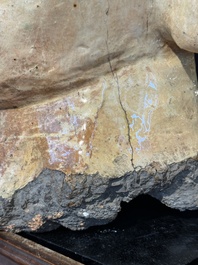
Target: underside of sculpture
{"points": [[98, 105]]}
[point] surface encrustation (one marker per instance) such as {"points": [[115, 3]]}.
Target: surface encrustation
{"points": [[80, 201]]}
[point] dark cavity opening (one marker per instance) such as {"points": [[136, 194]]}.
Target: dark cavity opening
{"points": [[145, 232]]}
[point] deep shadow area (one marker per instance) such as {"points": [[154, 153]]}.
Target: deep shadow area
{"points": [[145, 232], [194, 262]]}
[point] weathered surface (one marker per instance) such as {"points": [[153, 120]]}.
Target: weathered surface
{"points": [[97, 106], [80, 201]]}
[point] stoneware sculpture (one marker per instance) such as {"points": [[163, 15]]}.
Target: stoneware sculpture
{"points": [[97, 105]]}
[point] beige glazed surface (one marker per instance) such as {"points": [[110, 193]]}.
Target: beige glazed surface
{"points": [[89, 87]]}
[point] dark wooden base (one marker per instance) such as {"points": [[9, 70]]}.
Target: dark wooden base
{"points": [[16, 250]]}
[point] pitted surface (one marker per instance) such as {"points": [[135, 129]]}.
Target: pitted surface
{"points": [[80, 201]]}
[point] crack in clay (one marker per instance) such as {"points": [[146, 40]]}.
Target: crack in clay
{"points": [[115, 77], [126, 118]]}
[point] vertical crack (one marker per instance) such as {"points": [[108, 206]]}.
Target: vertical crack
{"points": [[126, 118], [115, 77]]}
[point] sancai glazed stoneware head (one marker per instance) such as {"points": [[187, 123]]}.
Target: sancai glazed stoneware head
{"points": [[98, 105]]}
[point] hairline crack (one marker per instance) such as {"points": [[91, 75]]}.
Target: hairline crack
{"points": [[115, 76]]}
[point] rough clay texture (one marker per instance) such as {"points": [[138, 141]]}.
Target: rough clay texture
{"points": [[97, 106], [81, 201]]}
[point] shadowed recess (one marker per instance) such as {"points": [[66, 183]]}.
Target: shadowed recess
{"points": [[145, 232]]}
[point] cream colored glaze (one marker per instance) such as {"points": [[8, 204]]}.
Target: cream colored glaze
{"points": [[100, 87]]}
